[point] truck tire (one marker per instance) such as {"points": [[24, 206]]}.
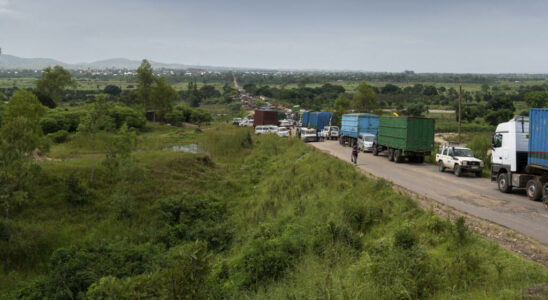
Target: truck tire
{"points": [[441, 168], [503, 181], [545, 195], [375, 150], [397, 156], [391, 154], [534, 189], [457, 170]]}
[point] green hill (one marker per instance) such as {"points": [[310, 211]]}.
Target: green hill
{"points": [[245, 217]]}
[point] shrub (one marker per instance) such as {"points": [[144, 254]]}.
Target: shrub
{"points": [[59, 137], [58, 119], [124, 114], [75, 192], [360, 214], [405, 238]]}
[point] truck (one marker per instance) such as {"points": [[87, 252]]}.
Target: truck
{"points": [[354, 124], [405, 137], [265, 117], [304, 119], [331, 132], [318, 120], [459, 159], [519, 156]]}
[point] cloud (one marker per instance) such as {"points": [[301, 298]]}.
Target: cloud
{"points": [[4, 7]]}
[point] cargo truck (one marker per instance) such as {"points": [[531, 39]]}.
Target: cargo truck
{"points": [[265, 117], [520, 154], [405, 137], [354, 124], [318, 120], [305, 118]]}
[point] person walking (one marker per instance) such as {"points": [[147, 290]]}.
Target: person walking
{"points": [[354, 157]]}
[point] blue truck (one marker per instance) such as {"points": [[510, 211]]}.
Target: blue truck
{"points": [[318, 120], [520, 155], [354, 124]]}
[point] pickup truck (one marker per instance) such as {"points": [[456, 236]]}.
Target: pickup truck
{"points": [[459, 159], [331, 132], [309, 135]]}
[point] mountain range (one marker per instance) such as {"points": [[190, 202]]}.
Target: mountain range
{"points": [[11, 62]]}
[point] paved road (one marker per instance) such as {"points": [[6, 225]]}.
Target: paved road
{"points": [[476, 196]]}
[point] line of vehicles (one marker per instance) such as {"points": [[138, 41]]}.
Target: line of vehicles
{"points": [[519, 147]]}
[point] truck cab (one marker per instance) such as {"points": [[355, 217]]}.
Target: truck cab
{"points": [[459, 159], [331, 132]]}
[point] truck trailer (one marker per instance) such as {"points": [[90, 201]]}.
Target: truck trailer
{"points": [[520, 154], [318, 120], [265, 117], [405, 137], [354, 124]]}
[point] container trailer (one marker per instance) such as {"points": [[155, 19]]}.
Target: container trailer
{"points": [[354, 124]]}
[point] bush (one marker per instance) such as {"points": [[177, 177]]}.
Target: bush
{"points": [[75, 192], [59, 137], [58, 119], [123, 114], [271, 252]]}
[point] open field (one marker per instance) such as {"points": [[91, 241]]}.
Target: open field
{"points": [[257, 238]]}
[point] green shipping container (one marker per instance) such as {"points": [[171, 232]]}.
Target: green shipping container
{"points": [[409, 134]]}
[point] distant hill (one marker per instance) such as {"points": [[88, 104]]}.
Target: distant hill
{"points": [[11, 62]]}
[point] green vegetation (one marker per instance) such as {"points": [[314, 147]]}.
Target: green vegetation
{"points": [[243, 218]]}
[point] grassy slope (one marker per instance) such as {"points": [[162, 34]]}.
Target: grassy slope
{"points": [[303, 224]]}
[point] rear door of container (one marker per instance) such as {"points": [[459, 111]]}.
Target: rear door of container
{"points": [[349, 125], [538, 137]]}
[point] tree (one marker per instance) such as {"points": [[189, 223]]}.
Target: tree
{"points": [[365, 99], [485, 88], [162, 97], [20, 134], [342, 104], [390, 89], [145, 80], [95, 119], [500, 102], [112, 90], [302, 82], [3, 97], [430, 91], [538, 99], [417, 109], [53, 82], [209, 91], [496, 117]]}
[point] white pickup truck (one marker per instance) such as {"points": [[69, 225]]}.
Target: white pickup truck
{"points": [[331, 132], [459, 159]]}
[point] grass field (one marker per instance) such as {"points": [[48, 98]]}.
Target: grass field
{"points": [[274, 219]]}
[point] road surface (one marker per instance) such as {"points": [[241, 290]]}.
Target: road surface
{"points": [[475, 196]]}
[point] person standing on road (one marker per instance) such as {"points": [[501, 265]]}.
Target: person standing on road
{"points": [[354, 157]]}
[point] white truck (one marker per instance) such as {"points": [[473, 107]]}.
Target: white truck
{"points": [[309, 135], [520, 157], [459, 159], [331, 132]]}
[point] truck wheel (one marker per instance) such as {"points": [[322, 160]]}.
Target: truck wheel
{"points": [[545, 194], [375, 150], [533, 190], [441, 168], [457, 171], [391, 154], [397, 156], [503, 180]]}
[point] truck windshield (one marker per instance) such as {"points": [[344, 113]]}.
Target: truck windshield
{"points": [[369, 138], [463, 153]]}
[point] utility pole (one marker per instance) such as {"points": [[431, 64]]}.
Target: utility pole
{"points": [[460, 109]]}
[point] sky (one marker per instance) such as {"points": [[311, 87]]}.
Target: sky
{"points": [[448, 36]]}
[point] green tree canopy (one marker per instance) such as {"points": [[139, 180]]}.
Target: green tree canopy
{"points": [[365, 99], [538, 99], [145, 80], [112, 90], [163, 96], [53, 82]]}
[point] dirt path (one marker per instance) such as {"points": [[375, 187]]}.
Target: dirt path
{"points": [[514, 221]]}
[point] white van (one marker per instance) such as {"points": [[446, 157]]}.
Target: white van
{"points": [[365, 141]]}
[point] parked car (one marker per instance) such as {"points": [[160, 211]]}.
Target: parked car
{"points": [[283, 132], [331, 132], [246, 123], [262, 129], [236, 121], [309, 135], [459, 159], [366, 141]]}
